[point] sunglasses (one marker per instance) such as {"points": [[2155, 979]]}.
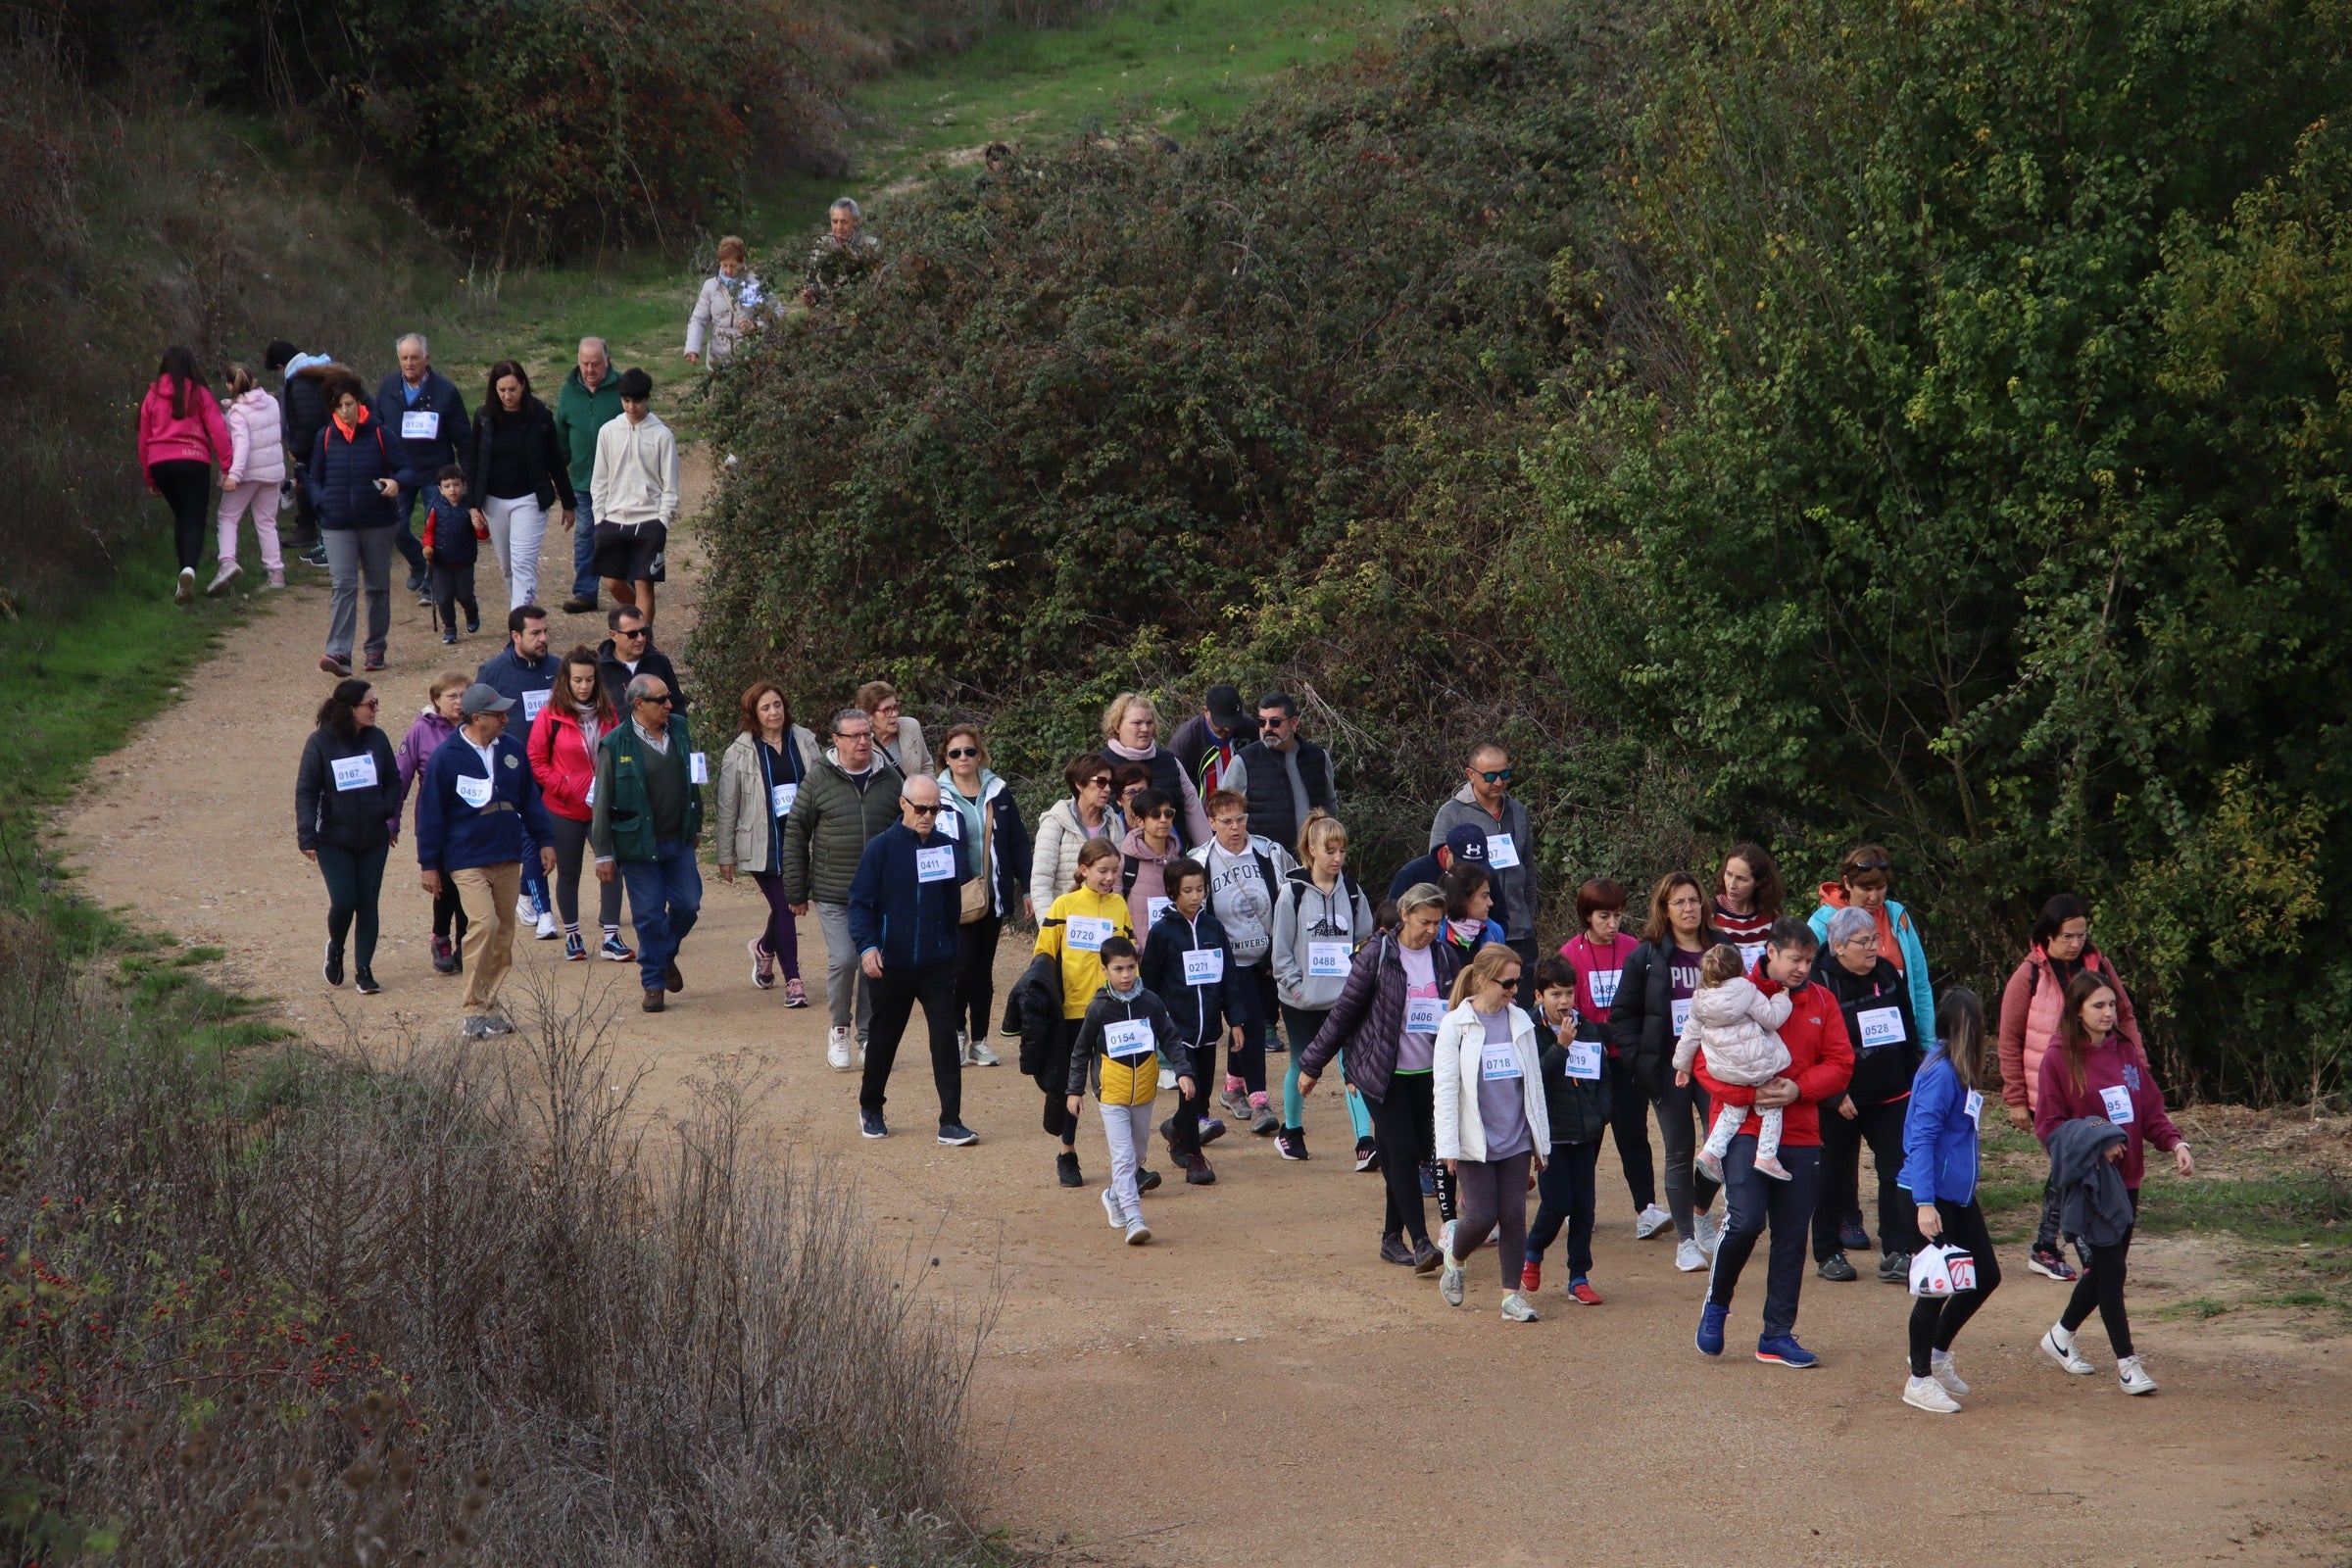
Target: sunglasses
{"points": [[1493, 775], [923, 810], [664, 702], [367, 701], [1872, 865], [963, 750], [632, 635], [1101, 783]]}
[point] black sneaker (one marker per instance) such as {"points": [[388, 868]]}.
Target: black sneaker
{"points": [[1065, 1170], [445, 957], [1197, 1172], [364, 981], [1426, 1257], [1852, 1236], [1367, 1155], [448, 639], [1212, 1129], [870, 1122], [1146, 1180], [1835, 1268], [416, 581], [1894, 1267], [956, 1134], [1291, 1142], [333, 967], [1393, 1251]]}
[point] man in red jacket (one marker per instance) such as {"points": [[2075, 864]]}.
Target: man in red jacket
{"points": [[1821, 1060]]}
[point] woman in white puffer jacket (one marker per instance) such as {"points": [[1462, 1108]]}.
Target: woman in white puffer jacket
{"points": [[257, 469]]}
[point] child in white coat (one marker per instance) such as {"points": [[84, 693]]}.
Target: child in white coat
{"points": [[1738, 1026]]}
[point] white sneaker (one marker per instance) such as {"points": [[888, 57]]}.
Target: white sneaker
{"points": [[222, 578], [1710, 1233], [525, 911], [186, 588], [1112, 1211], [1649, 1222], [964, 1049], [2059, 1347], [1167, 1076], [548, 930], [1138, 1234], [982, 1057], [861, 1053], [837, 1050], [1940, 1367], [1688, 1258], [1926, 1394], [1449, 1281], [2133, 1377], [1517, 1308]]}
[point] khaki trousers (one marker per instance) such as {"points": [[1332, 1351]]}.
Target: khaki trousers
{"points": [[487, 893]]}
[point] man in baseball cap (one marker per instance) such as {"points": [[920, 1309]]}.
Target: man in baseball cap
{"points": [[1205, 745], [476, 802], [1464, 842]]}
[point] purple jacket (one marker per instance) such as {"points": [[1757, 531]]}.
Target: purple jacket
{"points": [[1368, 1020], [416, 748]]}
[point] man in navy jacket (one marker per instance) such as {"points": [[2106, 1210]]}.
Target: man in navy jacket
{"points": [[526, 672], [477, 812], [906, 908], [426, 418]]}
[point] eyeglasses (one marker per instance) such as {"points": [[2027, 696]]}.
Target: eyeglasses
{"points": [[367, 701], [1227, 821], [852, 735], [963, 750], [1164, 816], [1275, 721], [1493, 775]]}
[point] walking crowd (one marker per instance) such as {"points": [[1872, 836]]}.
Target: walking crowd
{"points": [[1195, 910]]}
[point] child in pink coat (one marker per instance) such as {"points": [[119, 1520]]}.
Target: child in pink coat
{"points": [[257, 468]]}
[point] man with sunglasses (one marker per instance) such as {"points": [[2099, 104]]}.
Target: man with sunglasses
{"points": [[648, 814], [1279, 775], [906, 913], [849, 794], [630, 652], [1484, 801]]}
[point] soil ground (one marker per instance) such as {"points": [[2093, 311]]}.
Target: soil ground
{"points": [[1255, 1386]]}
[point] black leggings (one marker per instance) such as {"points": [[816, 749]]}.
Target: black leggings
{"points": [[354, 880], [571, 842], [2101, 1286], [1400, 1123], [1629, 1123], [976, 975], [449, 915], [1935, 1322], [185, 484]]}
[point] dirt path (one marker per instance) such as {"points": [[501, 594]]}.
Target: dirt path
{"points": [[1255, 1386]]}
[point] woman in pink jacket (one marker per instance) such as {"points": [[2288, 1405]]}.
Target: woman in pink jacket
{"points": [[2033, 1005], [182, 442], [257, 468]]}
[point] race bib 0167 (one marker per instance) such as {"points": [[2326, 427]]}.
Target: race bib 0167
{"points": [[354, 772]]}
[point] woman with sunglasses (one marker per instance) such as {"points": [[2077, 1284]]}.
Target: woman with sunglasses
{"points": [[346, 819], [985, 818], [1066, 826]]}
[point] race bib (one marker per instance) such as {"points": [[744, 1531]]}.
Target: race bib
{"points": [[1880, 1027], [780, 798], [533, 703], [2119, 1103], [1326, 958], [1749, 953], [938, 865], [1204, 967], [1603, 985], [1153, 909], [474, 792], [697, 767], [589, 798], [1682, 1015], [1976, 1104], [1503, 852], [1584, 1059], [354, 772], [1497, 1061], [1086, 933], [1422, 1014], [950, 822], [420, 424], [1130, 1039]]}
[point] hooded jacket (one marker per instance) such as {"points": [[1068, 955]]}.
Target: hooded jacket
{"points": [[1939, 1137], [723, 311], [418, 458], [2095, 1206], [416, 748], [564, 761], [1201, 1011], [1368, 1020], [1873, 1004], [1144, 875], [306, 410], [826, 833], [1089, 1054], [257, 441], [1304, 916], [2031, 1005], [912, 922], [1002, 829], [1458, 1058], [1517, 904], [2118, 1085], [1914, 961], [1733, 1028], [196, 433], [635, 477], [743, 826], [1081, 969], [1033, 1011], [1054, 863], [1820, 1063], [342, 473]]}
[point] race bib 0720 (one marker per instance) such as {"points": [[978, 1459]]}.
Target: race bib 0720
{"points": [[1087, 932]]}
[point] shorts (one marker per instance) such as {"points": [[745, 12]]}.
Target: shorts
{"points": [[630, 554]]}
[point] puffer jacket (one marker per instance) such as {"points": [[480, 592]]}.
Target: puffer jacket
{"points": [[195, 433], [1641, 1017], [306, 410], [562, 761], [827, 830], [1576, 1108], [1913, 962], [363, 817], [1733, 1023], [723, 311], [2031, 1005], [1054, 868], [416, 748], [342, 473], [1368, 1020], [742, 826], [257, 443]]}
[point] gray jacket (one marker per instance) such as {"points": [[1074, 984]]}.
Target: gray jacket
{"points": [[1518, 883], [740, 818], [2093, 1204], [1303, 915]]}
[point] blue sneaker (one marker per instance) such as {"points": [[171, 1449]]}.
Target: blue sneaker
{"points": [[1710, 1328], [1782, 1350], [871, 1124]]}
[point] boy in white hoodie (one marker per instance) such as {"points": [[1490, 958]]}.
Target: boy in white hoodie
{"points": [[1738, 1026]]}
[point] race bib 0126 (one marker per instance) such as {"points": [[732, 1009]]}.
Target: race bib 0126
{"points": [[420, 424]]}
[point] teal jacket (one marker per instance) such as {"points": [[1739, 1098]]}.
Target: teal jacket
{"points": [[1915, 957], [622, 821]]}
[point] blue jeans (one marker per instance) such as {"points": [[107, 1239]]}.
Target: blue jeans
{"points": [[665, 896], [584, 581], [1752, 1202]]}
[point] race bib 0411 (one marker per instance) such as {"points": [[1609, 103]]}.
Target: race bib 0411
{"points": [[937, 864]]}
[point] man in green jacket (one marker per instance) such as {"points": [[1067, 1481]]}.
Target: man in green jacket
{"points": [[589, 401], [648, 813], [850, 796]]}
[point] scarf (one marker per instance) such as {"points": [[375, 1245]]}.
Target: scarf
{"points": [[350, 431]]}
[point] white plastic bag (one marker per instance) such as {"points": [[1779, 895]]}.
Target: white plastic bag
{"points": [[1939, 1271]]}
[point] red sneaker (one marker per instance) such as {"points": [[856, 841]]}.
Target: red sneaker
{"points": [[1530, 1277], [1582, 1294]]}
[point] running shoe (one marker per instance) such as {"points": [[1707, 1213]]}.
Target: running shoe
{"points": [[1367, 1155], [1138, 1234], [2059, 1345], [1852, 1236], [764, 967], [1197, 1172], [184, 591], [525, 911], [445, 955], [1650, 1221], [1517, 1309], [615, 951], [373, 662], [1583, 1294], [1940, 1367], [1894, 1268], [1146, 1180], [497, 1024], [222, 578], [1530, 1275], [333, 967], [1688, 1258], [329, 664], [1236, 1104], [575, 947], [796, 995], [1393, 1251], [416, 581], [1835, 1268], [1710, 1338], [1426, 1257], [362, 980], [871, 1125], [2133, 1377], [982, 1057], [548, 929], [1291, 1142], [1449, 1281], [1065, 1170], [1782, 1350], [1709, 1230], [1167, 1075], [956, 1134], [1212, 1129], [1926, 1394], [2052, 1263], [1113, 1211], [837, 1048], [448, 639]]}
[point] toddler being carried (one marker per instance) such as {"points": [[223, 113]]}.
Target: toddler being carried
{"points": [[1738, 1026]]}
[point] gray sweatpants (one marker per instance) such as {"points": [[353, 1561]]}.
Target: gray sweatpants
{"points": [[351, 554], [844, 978], [1493, 1199], [1128, 1131]]}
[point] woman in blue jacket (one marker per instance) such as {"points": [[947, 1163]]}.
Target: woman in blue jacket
{"points": [[350, 479], [1939, 1169]]}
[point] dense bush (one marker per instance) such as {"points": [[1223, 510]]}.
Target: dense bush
{"points": [[1811, 419], [458, 1308]]}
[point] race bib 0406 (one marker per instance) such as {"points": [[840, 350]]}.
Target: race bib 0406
{"points": [[1422, 1014]]}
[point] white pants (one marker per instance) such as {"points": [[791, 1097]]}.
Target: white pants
{"points": [[1128, 1130], [1730, 1119], [518, 529]]}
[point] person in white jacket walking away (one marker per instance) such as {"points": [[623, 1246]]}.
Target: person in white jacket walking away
{"points": [[1493, 1127], [634, 490], [257, 472], [1737, 1024]]}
